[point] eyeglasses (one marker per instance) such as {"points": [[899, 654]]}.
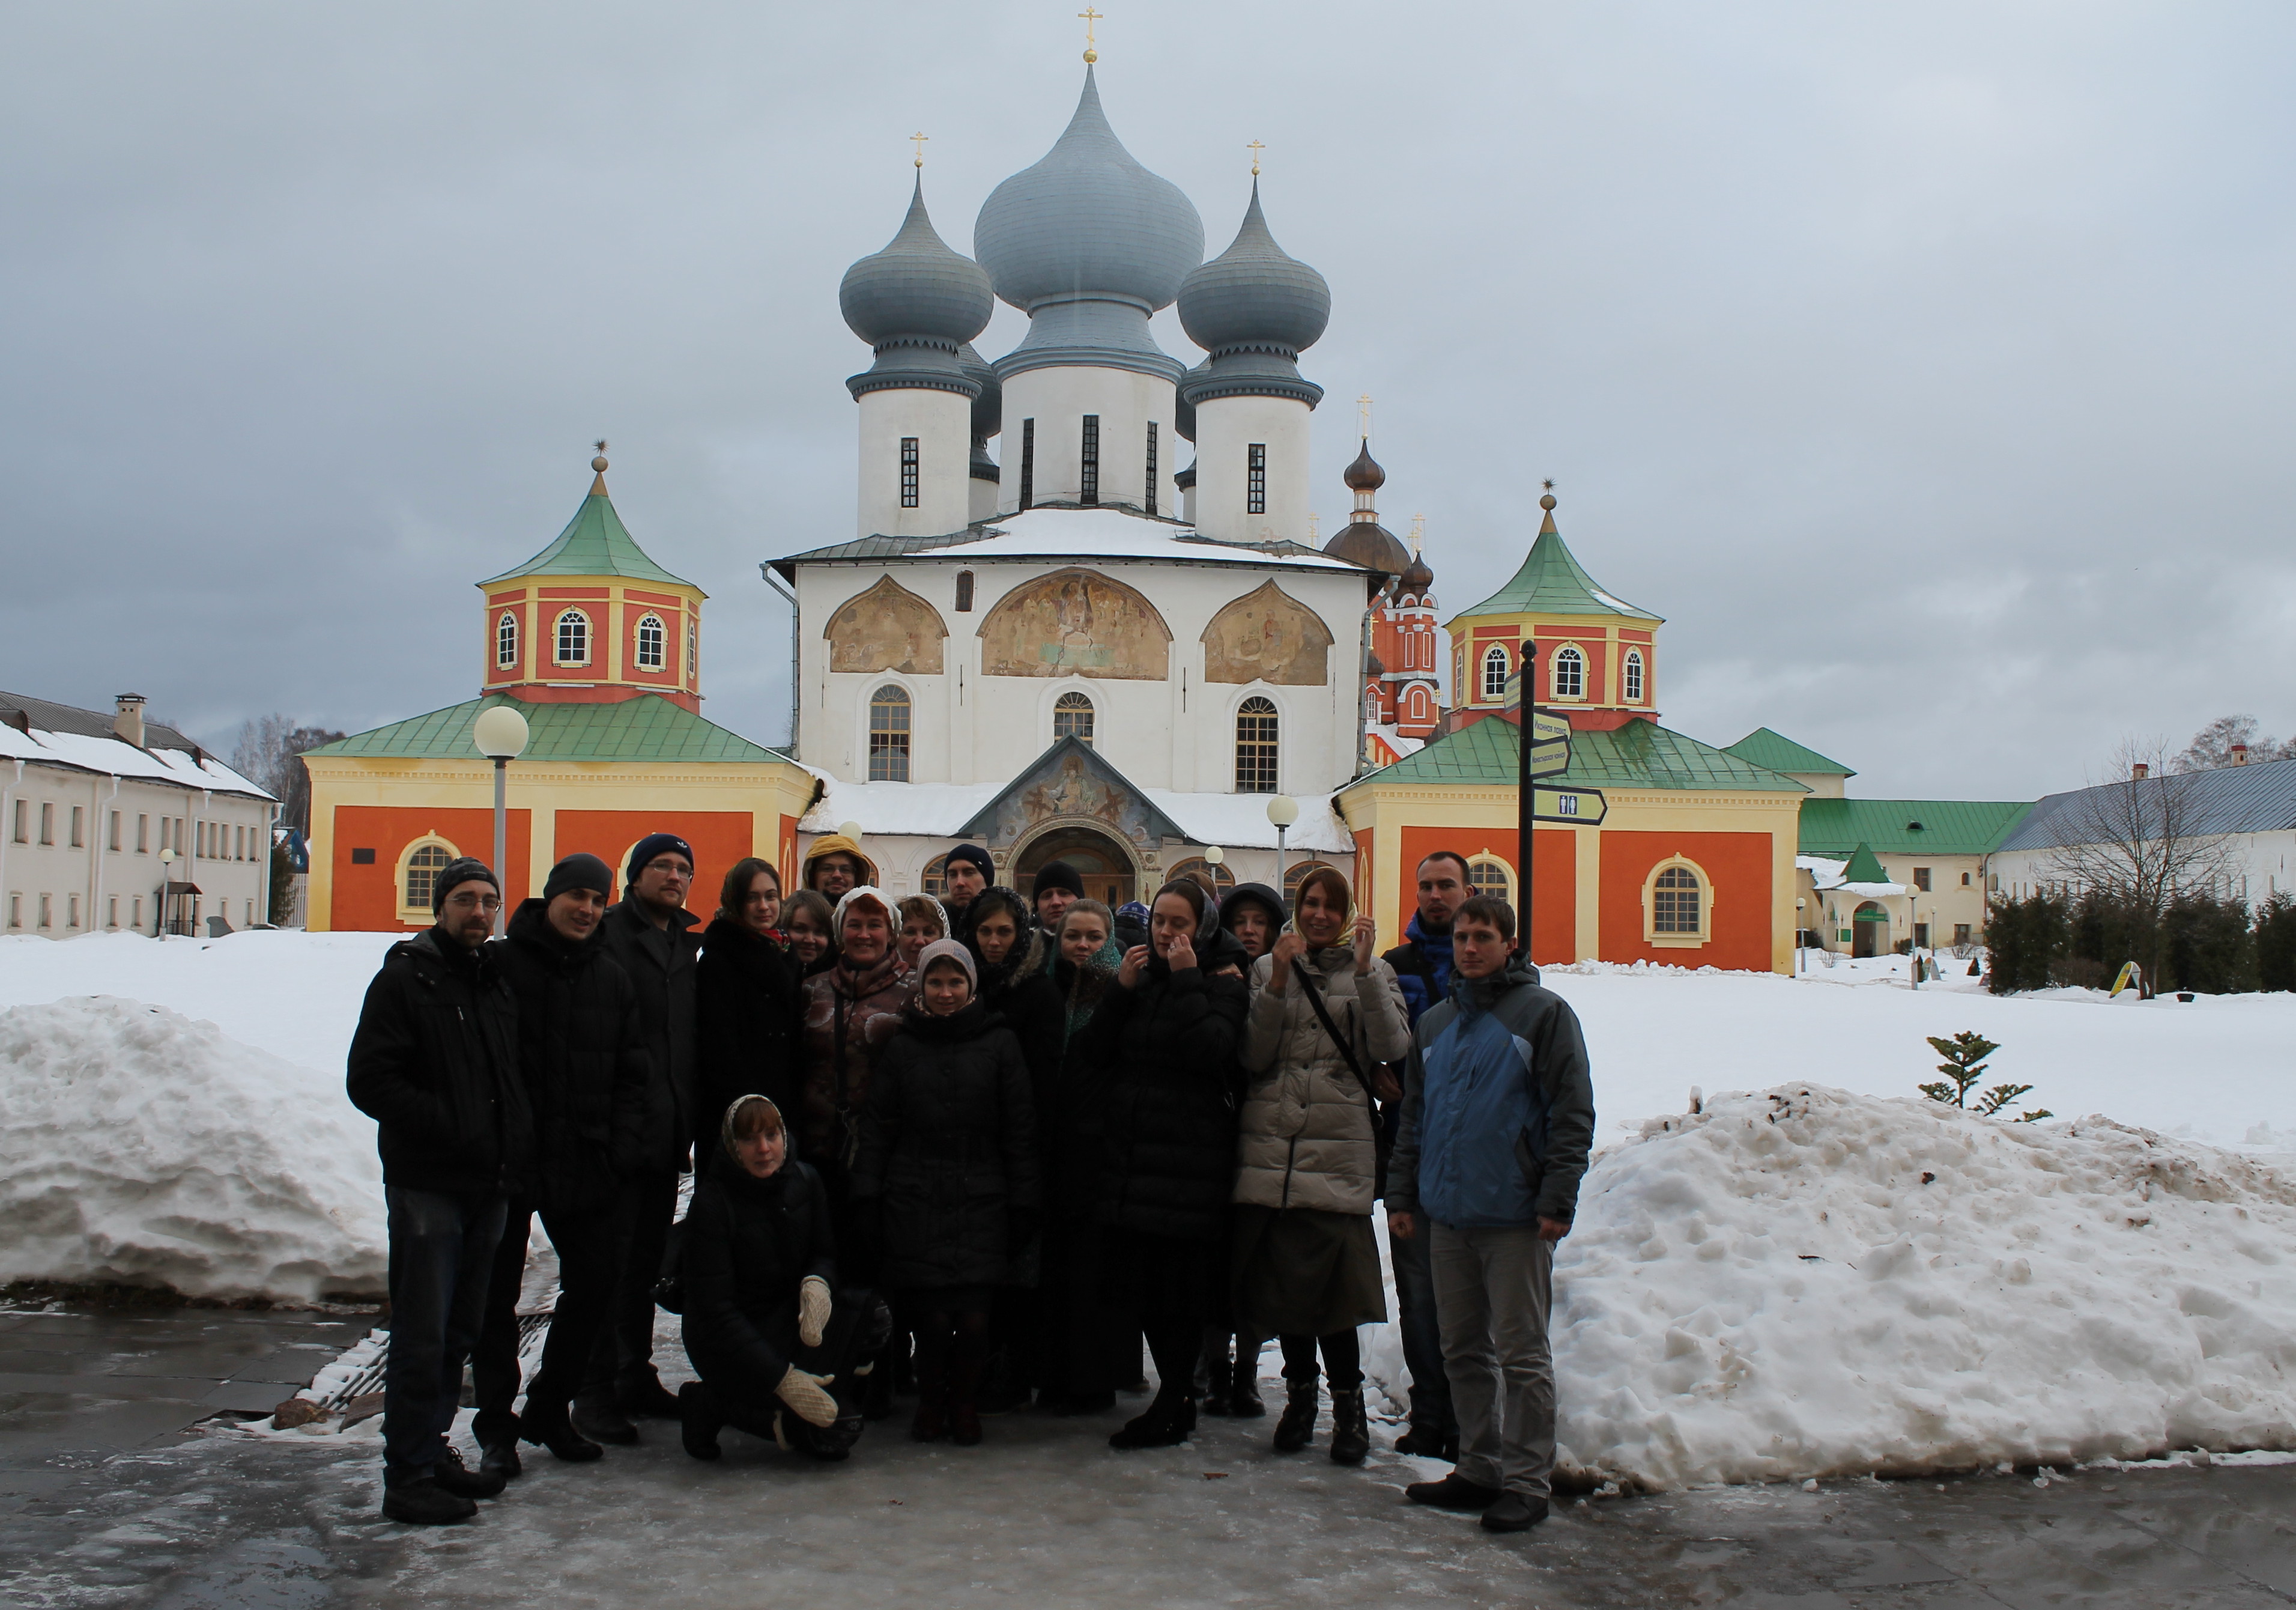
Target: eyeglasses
{"points": [[669, 863], [475, 902]]}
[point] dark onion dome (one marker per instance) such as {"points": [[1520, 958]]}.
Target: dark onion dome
{"points": [[989, 407], [918, 286], [1417, 578], [1186, 479], [1365, 476], [1086, 222], [1255, 295], [1367, 543], [1184, 411]]}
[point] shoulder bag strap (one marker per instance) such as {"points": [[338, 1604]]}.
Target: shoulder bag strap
{"points": [[1324, 1016]]}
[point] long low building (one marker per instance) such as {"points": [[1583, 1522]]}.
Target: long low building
{"points": [[2240, 822], [111, 823]]}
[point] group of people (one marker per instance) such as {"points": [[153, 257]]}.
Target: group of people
{"points": [[977, 1147]]}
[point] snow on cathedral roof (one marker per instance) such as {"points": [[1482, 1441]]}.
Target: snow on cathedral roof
{"points": [[1066, 532]]}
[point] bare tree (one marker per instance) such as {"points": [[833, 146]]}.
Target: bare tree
{"points": [[2140, 841], [269, 751], [2211, 746]]}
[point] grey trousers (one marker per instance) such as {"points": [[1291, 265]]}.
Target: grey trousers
{"points": [[1493, 1289]]}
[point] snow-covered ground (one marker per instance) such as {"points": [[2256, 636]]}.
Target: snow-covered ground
{"points": [[1826, 1276]]}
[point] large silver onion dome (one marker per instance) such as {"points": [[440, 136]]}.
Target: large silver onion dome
{"points": [[1255, 294], [1087, 220], [917, 285]]}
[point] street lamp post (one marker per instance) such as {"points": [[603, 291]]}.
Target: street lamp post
{"points": [[167, 879], [500, 734], [1283, 810], [1801, 964]]}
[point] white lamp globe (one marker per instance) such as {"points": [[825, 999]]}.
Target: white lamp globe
{"points": [[1283, 810], [500, 733], [1215, 854]]}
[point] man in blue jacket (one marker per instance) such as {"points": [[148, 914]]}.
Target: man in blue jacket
{"points": [[1498, 1115]]}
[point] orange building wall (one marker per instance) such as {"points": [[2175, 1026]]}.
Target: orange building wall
{"points": [[1738, 863], [719, 838], [367, 898], [1553, 886]]}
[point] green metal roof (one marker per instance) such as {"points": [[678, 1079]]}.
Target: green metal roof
{"points": [[1864, 868], [1837, 827], [1778, 752], [1551, 582], [648, 727], [1641, 754], [594, 542]]}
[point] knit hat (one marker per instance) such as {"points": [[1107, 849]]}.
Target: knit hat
{"points": [[975, 856], [864, 894], [461, 869], [1253, 894], [835, 843], [654, 844], [1058, 874], [579, 871], [948, 950]]}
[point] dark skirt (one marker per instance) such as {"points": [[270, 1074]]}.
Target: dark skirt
{"points": [[1151, 1277], [1304, 1272]]}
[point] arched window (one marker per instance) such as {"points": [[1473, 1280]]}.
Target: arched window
{"points": [[652, 643], [963, 591], [1634, 676], [888, 735], [1072, 718], [419, 867], [934, 880], [1494, 672], [1488, 875], [1677, 904], [692, 648], [1218, 879], [1298, 876], [1570, 673], [506, 640], [1255, 746], [573, 638]]}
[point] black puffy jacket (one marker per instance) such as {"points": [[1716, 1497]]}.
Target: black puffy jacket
{"points": [[1157, 1064], [749, 1244], [948, 1144], [746, 1016], [434, 1062], [582, 1054], [660, 964]]}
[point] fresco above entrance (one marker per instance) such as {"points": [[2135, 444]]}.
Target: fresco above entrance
{"points": [[1268, 636], [1069, 783], [1076, 622]]}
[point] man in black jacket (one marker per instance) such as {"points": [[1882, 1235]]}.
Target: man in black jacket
{"points": [[583, 1059], [651, 933], [435, 1063]]}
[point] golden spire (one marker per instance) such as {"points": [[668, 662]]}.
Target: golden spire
{"points": [[1088, 17], [921, 138], [598, 481], [1255, 148], [1418, 533], [1363, 413]]}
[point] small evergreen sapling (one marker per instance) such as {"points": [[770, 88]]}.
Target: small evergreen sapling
{"points": [[1963, 1065]]}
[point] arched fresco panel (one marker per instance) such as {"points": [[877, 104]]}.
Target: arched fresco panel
{"points": [[888, 628], [1076, 622], [1268, 636]]}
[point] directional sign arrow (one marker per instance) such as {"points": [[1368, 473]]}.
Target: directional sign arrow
{"points": [[1578, 807], [1550, 745]]}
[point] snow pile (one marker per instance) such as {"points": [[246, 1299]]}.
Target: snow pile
{"points": [[136, 1145], [1807, 1282]]}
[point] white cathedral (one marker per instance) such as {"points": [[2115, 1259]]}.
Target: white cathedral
{"points": [[1089, 650]]}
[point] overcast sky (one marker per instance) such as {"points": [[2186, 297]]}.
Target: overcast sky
{"points": [[1928, 367]]}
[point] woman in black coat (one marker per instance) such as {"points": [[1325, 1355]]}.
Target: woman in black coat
{"points": [[947, 1176], [765, 1327], [746, 997], [1159, 1059]]}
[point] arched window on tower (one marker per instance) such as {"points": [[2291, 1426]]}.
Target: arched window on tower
{"points": [[573, 638], [506, 640], [888, 735], [1676, 902], [1494, 672], [653, 643], [1633, 676], [1072, 718], [1255, 746], [692, 648], [1570, 673]]}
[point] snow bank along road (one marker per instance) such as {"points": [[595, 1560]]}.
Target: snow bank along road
{"points": [[1804, 1281]]}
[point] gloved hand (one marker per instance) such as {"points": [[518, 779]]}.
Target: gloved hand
{"points": [[808, 1395], [812, 1309]]}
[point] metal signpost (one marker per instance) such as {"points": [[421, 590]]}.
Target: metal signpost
{"points": [[1545, 746]]}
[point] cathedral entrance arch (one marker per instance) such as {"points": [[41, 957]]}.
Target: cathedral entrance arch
{"points": [[1872, 924], [1105, 866]]}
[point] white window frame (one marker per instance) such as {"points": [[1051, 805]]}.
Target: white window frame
{"points": [[868, 729], [581, 619], [1706, 903], [1634, 677], [506, 641], [1490, 689], [1555, 674], [661, 645], [1499, 865], [421, 914]]}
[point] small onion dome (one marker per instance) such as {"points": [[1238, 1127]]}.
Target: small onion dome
{"points": [[1369, 544], [1184, 408], [918, 286], [1365, 476], [1255, 295], [989, 407], [1416, 576], [1186, 479], [1087, 221]]}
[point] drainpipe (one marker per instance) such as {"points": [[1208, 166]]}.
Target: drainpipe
{"points": [[767, 570]]}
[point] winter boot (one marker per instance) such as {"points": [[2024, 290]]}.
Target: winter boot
{"points": [[698, 1421], [551, 1428], [500, 1457], [1454, 1492], [645, 1397], [1170, 1419], [1243, 1400], [1351, 1429], [1215, 1371], [598, 1419], [451, 1474], [1514, 1512], [417, 1500], [1429, 1442], [1295, 1427]]}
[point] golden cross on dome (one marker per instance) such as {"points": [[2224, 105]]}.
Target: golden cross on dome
{"points": [[1549, 483], [921, 138], [1363, 413], [1255, 148], [1088, 17], [1312, 537]]}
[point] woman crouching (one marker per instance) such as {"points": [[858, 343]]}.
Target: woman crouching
{"points": [[774, 1346], [947, 1178]]}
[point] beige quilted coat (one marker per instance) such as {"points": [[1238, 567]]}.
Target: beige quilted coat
{"points": [[1304, 1136]]}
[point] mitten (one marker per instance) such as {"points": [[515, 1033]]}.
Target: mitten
{"points": [[812, 1309], [808, 1395]]}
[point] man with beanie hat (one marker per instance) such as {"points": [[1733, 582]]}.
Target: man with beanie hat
{"points": [[582, 1054], [1058, 887], [656, 941], [966, 870], [434, 1062]]}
